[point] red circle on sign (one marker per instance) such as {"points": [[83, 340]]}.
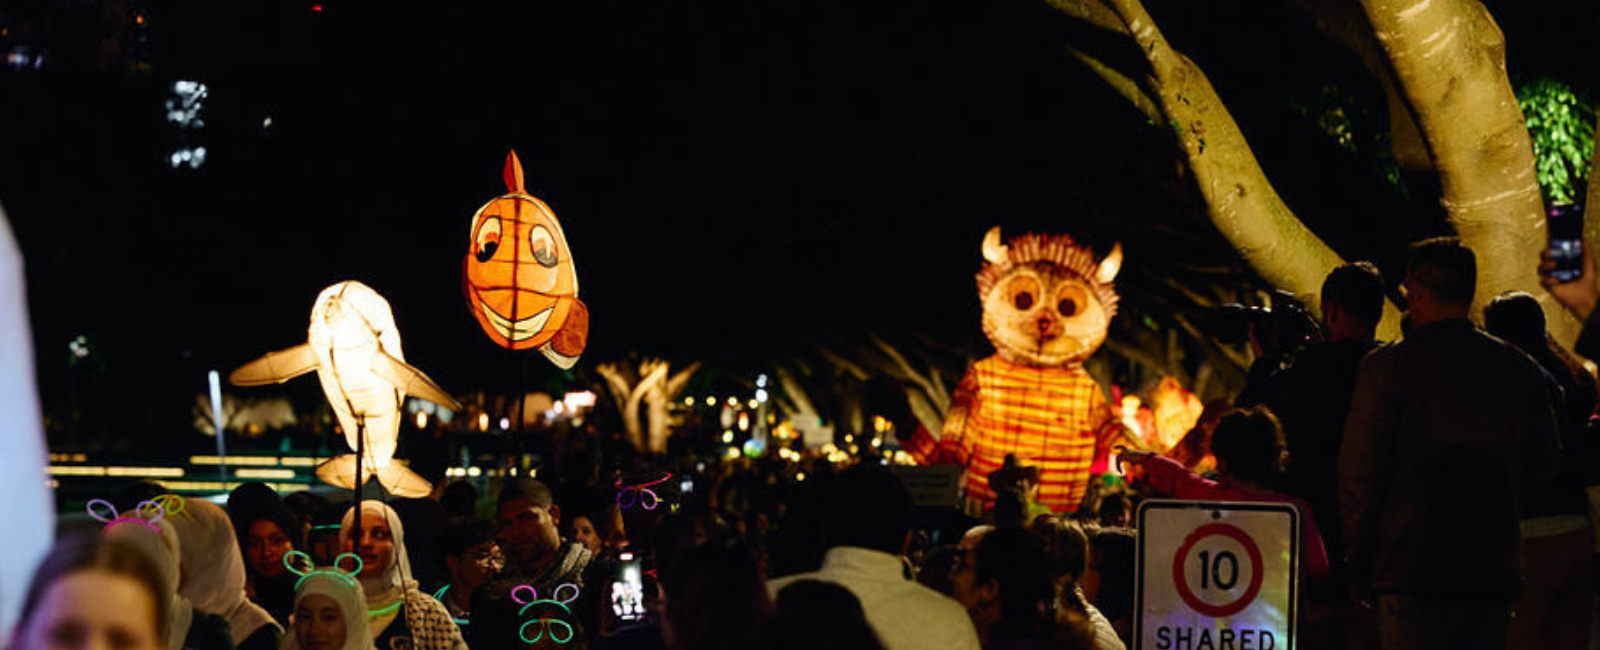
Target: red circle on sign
{"points": [[1225, 609]]}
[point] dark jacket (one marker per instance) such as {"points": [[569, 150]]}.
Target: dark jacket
{"points": [[1445, 431], [1313, 401], [497, 618]]}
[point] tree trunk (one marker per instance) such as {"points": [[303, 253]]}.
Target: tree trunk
{"points": [[1449, 56]]}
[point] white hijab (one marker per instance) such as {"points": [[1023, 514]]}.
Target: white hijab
{"points": [[392, 583], [161, 549], [347, 594], [212, 570]]}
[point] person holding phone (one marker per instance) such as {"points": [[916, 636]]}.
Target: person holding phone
{"points": [[1566, 270]]}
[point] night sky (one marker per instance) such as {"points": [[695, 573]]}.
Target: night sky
{"points": [[738, 179]]}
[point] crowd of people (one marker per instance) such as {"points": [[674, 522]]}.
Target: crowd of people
{"points": [[1441, 479]]}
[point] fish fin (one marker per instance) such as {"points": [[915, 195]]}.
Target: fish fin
{"points": [[562, 361], [513, 174], [411, 381], [573, 336], [339, 471], [276, 367], [400, 481]]}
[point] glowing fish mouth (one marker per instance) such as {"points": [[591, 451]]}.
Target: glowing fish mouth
{"points": [[520, 330]]}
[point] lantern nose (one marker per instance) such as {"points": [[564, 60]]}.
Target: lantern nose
{"points": [[1047, 325]]}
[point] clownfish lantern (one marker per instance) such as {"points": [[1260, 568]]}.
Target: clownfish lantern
{"points": [[519, 278]]}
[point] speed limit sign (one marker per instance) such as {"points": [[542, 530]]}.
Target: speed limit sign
{"points": [[1217, 575]]}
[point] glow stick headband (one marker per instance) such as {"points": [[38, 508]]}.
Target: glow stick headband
{"points": [[532, 599], [148, 513], [640, 494], [293, 560]]}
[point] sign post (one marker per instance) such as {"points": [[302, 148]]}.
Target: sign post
{"points": [[1217, 576]]}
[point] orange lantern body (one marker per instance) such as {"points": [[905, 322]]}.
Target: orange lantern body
{"points": [[519, 278], [1047, 304]]}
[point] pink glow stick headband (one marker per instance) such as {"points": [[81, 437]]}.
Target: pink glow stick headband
{"points": [[641, 494], [148, 513], [532, 599]]}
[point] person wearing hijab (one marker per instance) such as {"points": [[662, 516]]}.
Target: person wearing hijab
{"points": [[267, 530], [187, 627], [396, 608], [329, 614], [211, 575]]}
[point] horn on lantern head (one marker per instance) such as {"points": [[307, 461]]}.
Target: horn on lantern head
{"points": [[994, 251]]}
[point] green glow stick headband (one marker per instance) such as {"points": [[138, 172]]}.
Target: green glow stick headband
{"points": [[293, 560], [532, 600]]}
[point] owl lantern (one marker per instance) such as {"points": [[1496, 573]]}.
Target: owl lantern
{"points": [[1047, 303], [518, 275]]}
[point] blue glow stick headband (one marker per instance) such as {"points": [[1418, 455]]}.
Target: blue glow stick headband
{"points": [[546, 624], [148, 513], [294, 560]]}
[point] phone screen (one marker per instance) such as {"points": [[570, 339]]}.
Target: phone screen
{"points": [[1565, 224], [627, 589]]}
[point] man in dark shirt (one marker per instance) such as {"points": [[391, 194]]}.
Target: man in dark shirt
{"points": [[537, 557], [1445, 430], [1312, 396]]}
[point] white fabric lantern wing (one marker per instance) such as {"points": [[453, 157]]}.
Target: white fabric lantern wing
{"points": [[411, 381], [276, 367]]}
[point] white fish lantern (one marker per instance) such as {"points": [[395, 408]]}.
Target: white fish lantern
{"points": [[354, 346]]}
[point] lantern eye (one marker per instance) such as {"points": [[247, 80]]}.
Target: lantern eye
{"points": [[487, 240], [542, 245], [1023, 292], [1071, 300]]}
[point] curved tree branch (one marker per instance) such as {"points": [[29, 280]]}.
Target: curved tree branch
{"points": [[1240, 201]]}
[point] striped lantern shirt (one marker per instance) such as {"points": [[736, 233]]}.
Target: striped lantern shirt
{"points": [[1053, 418]]}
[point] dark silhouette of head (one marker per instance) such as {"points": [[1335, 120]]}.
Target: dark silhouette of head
{"points": [[1445, 269], [1249, 444], [869, 508]]}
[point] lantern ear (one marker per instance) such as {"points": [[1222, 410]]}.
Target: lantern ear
{"points": [[1110, 265], [994, 251], [513, 173]]}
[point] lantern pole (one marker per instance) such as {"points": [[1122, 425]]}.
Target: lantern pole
{"points": [[361, 453], [522, 414]]}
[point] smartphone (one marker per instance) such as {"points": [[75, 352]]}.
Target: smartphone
{"points": [[627, 588], [1565, 224]]}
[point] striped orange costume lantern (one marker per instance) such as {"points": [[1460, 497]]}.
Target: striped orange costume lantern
{"points": [[1047, 304]]}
